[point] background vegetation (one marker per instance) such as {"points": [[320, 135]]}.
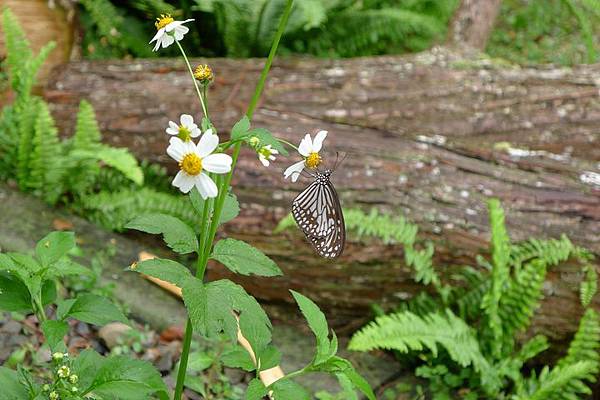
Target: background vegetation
{"points": [[528, 31]]}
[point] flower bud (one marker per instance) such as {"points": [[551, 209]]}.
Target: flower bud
{"points": [[203, 73]]}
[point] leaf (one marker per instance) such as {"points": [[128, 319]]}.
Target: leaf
{"points": [[118, 158], [86, 366], [11, 387], [589, 285], [54, 332], [256, 390], [240, 128], [289, 390], [177, 234], [337, 365], [199, 361], [66, 267], [318, 324], [265, 137], [211, 309], [244, 259], [54, 246], [270, 357], [125, 378], [14, 295], [166, 270], [237, 357], [231, 207], [96, 310]]}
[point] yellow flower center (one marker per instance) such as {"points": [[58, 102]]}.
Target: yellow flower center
{"points": [[184, 133], [203, 73], [163, 21], [265, 151], [191, 164], [313, 160]]}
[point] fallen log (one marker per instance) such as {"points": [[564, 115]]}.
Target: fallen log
{"points": [[428, 136]]}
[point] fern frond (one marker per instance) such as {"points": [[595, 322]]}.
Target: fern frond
{"points": [[376, 31], [519, 301], [589, 285], [153, 7], [550, 251], [25, 108], [106, 18], [406, 331], [115, 210], [46, 162], [585, 346], [500, 248], [87, 134], [17, 47], [558, 383]]}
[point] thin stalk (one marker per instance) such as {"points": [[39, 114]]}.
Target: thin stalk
{"points": [[204, 109], [223, 186], [293, 146]]}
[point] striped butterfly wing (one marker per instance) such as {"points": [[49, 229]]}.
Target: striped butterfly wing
{"points": [[318, 213]]}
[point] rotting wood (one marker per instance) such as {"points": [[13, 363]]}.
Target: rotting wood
{"points": [[429, 136]]}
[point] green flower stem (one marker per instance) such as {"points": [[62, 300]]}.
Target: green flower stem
{"points": [[223, 188], [288, 143], [204, 109]]}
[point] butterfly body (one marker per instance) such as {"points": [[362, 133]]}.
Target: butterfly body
{"points": [[318, 213]]}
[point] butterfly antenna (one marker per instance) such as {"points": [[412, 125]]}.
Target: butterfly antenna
{"points": [[338, 161]]}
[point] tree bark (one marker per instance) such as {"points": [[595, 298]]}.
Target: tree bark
{"points": [[429, 137], [472, 23]]}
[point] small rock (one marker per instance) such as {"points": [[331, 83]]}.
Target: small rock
{"points": [[172, 333], [168, 354], [77, 343], [11, 327], [82, 329], [113, 333]]}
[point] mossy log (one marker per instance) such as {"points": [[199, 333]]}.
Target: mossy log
{"points": [[429, 137]]}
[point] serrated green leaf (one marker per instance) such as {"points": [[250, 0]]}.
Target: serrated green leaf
{"points": [[177, 234], [126, 378], [15, 295], [54, 332], [211, 309], [166, 270], [66, 267], [231, 207], [269, 357], [337, 365], [199, 361], [265, 137], [237, 357], [285, 389], [244, 259], [95, 309], [11, 386], [256, 390], [54, 246], [86, 366], [240, 129], [317, 323]]}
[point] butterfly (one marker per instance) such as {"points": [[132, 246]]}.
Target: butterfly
{"points": [[318, 213]]}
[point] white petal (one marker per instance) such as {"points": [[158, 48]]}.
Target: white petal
{"points": [[263, 160], [305, 146], [176, 24], [172, 131], [294, 170], [177, 149], [206, 186], [180, 31], [217, 163], [186, 120], [157, 45], [160, 32], [184, 181], [318, 142], [195, 131], [167, 40], [207, 144]]}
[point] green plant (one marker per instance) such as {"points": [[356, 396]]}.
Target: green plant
{"points": [[28, 284], [541, 31], [467, 336], [223, 308]]}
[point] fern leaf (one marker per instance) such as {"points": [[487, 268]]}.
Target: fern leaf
{"points": [[115, 210], [550, 251], [406, 331], [585, 346], [589, 285], [559, 383], [87, 133], [46, 159], [17, 46], [500, 244]]}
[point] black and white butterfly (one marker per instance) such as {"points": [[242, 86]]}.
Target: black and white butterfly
{"points": [[318, 213]]}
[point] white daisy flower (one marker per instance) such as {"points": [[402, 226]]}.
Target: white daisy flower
{"points": [[267, 154], [169, 30], [194, 160], [186, 130], [309, 149]]}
